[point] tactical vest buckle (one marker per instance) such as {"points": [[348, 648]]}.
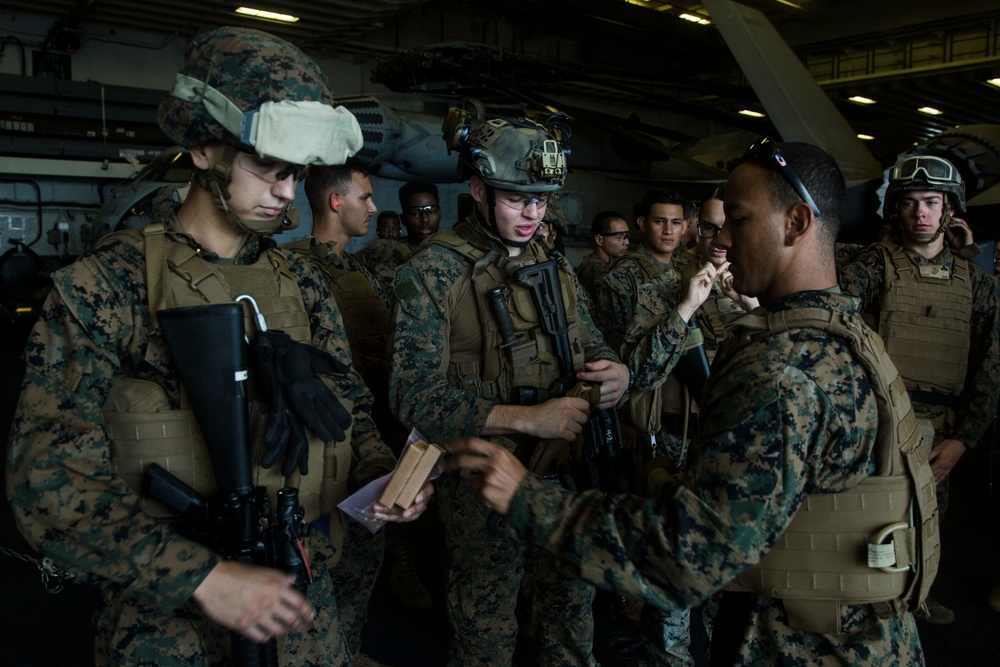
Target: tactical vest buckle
{"points": [[884, 556]]}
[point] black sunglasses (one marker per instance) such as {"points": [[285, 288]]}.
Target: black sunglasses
{"points": [[766, 150]]}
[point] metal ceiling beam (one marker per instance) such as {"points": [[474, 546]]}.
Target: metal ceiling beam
{"points": [[798, 107]]}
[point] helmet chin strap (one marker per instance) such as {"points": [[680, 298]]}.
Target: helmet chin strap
{"points": [[217, 182], [491, 200]]}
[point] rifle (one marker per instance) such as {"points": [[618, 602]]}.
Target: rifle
{"points": [[542, 279], [602, 437], [208, 346]]}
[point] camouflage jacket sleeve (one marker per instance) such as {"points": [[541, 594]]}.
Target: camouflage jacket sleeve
{"points": [[847, 252], [590, 273], [419, 390], [586, 301], [863, 277], [616, 301], [978, 401], [60, 477], [372, 457], [769, 438], [655, 338], [596, 347]]}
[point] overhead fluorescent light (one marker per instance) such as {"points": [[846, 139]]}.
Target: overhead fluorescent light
{"points": [[700, 20], [752, 114], [865, 137], [266, 15], [861, 100], [930, 111], [994, 82]]}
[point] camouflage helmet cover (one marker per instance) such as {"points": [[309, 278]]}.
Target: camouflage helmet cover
{"points": [[519, 155], [245, 69], [926, 173]]}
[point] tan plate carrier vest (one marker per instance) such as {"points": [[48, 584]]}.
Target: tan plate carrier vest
{"points": [[925, 320], [142, 427], [644, 409], [478, 363], [878, 543], [365, 315]]}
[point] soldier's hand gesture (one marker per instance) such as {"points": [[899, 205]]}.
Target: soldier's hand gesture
{"points": [[500, 473], [698, 289], [748, 303]]}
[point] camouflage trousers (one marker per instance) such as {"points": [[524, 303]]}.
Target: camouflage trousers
{"points": [[931, 417], [135, 634], [354, 579], [751, 630], [484, 574], [666, 637]]}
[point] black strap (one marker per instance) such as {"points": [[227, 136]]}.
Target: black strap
{"points": [[931, 398]]}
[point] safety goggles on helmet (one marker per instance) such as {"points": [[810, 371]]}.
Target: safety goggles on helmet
{"points": [[766, 151], [933, 170], [297, 132], [269, 170]]}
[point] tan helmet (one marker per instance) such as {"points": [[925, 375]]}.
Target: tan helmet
{"points": [[923, 172]]}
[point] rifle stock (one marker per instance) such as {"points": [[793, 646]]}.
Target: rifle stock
{"points": [[543, 281], [208, 347]]}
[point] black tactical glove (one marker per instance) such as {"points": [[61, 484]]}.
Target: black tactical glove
{"points": [[289, 371]]}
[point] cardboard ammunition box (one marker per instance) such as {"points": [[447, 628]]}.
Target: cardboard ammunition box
{"points": [[411, 474]]}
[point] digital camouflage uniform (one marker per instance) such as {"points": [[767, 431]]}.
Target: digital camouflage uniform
{"points": [[847, 252], [617, 305], [382, 256], [363, 552], [786, 415], [973, 409], [591, 274], [615, 301], [658, 333], [95, 328], [484, 569]]}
